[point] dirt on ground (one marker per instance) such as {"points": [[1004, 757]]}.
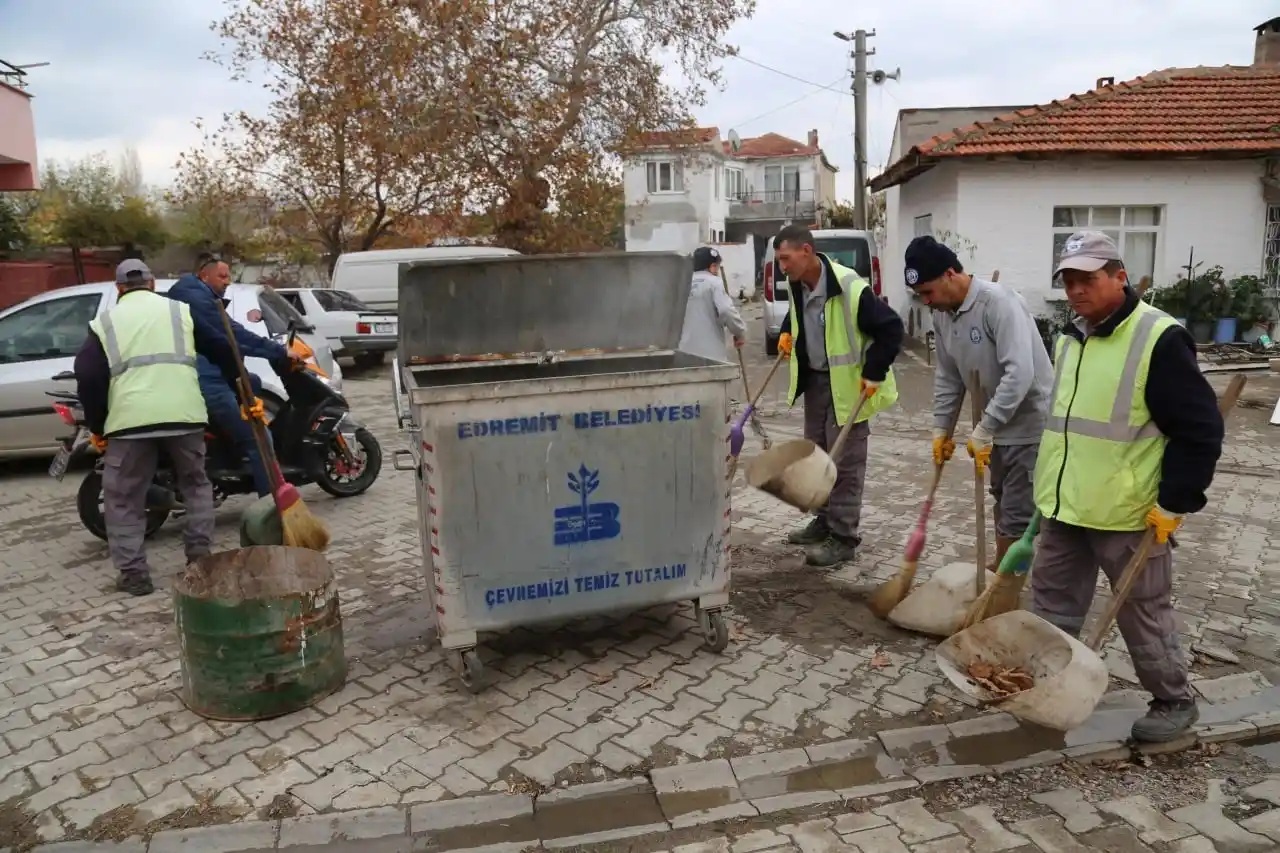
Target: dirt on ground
{"points": [[17, 827], [280, 807]]}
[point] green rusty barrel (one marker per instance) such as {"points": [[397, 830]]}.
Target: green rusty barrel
{"points": [[260, 631]]}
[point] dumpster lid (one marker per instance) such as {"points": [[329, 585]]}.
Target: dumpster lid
{"points": [[517, 306]]}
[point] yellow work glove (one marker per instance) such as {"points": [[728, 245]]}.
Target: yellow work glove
{"points": [[943, 446], [99, 443], [254, 412], [785, 345], [980, 447], [1164, 523]]}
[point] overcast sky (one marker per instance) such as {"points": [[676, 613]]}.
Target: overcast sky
{"points": [[129, 72]]}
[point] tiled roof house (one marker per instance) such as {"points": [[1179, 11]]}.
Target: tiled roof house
{"points": [[1175, 164]]}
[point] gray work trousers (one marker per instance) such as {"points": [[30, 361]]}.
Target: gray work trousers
{"points": [[128, 469], [1062, 585], [843, 509], [1012, 486]]}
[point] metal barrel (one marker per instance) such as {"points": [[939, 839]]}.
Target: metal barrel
{"points": [[260, 631]]}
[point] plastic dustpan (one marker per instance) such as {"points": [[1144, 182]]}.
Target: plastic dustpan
{"points": [[1069, 677], [938, 606]]}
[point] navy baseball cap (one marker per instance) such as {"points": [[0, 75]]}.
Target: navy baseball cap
{"points": [[704, 257], [926, 259]]}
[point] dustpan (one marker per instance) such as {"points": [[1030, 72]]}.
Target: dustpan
{"points": [[1070, 677], [937, 607]]}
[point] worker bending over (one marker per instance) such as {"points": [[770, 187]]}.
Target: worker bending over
{"points": [[979, 325], [842, 344], [1132, 441]]}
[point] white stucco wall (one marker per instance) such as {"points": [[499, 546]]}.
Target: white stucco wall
{"points": [[671, 221], [934, 194], [1005, 211]]}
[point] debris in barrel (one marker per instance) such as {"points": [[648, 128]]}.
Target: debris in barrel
{"points": [[260, 631]]}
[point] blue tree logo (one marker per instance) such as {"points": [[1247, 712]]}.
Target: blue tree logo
{"points": [[585, 521]]}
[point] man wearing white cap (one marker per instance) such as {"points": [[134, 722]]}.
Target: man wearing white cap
{"points": [[1131, 442], [136, 379]]}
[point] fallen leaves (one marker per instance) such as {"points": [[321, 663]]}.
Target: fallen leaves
{"points": [[880, 660], [1003, 682]]}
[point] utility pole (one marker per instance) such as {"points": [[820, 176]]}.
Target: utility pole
{"points": [[860, 76]]}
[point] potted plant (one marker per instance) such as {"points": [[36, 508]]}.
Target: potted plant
{"points": [[1208, 298], [1173, 300], [1252, 309]]}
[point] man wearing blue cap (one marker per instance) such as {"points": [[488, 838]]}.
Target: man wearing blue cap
{"points": [[982, 326]]}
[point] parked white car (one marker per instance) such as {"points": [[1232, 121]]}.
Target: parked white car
{"points": [[854, 249], [374, 277], [351, 328], [39, 338]]}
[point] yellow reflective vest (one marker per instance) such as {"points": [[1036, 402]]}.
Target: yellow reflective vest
{"points": [[1100, 457], [151, 352], [846, 348]]}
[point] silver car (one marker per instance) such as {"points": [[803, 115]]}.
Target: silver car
{"points": [[854, 249], [41, 336]]}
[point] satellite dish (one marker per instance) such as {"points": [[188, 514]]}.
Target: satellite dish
{"points": [[735, 141]]}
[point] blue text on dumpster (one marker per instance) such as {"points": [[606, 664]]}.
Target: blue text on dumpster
{"points": [[594, 419], [586, 584], [586, 520]]}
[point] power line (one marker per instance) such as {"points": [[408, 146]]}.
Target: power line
{"points": [[829, 87], [818, 89]]}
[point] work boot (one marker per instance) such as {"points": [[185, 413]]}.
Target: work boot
{"points": [[830, 553], [813, 533], [1166, 720], [135, 583]]}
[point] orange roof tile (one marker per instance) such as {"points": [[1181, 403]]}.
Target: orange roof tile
{"points": [[772, 145], [1178, 112], [677, 138]]}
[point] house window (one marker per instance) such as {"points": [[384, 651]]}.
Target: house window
{"points": [[1135, 229], [663, 176], [781, 183], [923, 225], [717, 179], [735, 183], [1271, 250]]}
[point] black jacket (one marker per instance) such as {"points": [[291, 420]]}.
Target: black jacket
{"points": [[880, 323], [93, 372], [1184, 407]]}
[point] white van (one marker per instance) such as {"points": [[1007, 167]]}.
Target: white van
{"points": [[374, 277], [854, 249]]}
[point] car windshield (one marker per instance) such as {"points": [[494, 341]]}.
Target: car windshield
{"points": [[338, 300], [277, 314], [851, 252]]}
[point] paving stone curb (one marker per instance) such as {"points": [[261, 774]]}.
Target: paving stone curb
{"points": [[678, 797]]}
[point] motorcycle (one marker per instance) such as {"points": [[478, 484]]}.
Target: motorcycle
{"points": [[316, 441]]}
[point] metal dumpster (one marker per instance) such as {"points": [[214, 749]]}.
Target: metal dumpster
{"points": [[570, 461]]}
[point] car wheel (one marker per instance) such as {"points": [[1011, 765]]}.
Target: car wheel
{"points": [[367, 360], [770, 346]]}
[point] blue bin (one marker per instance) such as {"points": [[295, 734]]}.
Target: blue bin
{"points": [[1224, 332]]}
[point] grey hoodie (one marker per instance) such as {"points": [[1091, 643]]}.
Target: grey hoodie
{"points": [[994, 333], [708, 315]]}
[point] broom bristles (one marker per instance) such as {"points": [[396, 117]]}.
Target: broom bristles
{"points": [[891, 593], [302, 529]]}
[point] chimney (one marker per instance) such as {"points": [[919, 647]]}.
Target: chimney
{"points": [[1104, 81], [1266, 48], [813, 134]]}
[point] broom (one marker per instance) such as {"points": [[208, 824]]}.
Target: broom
{"points": [[301, 529], [891, 593]]}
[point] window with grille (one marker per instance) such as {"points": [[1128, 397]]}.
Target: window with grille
{"points": [[1136, 230], [923, 225], [1271, 251]]}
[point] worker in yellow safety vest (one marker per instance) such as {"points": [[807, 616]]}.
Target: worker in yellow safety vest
{"points": [[136, 379], [842, 343], [1131, 442]]}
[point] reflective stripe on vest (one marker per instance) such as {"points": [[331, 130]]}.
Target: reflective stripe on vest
{"points": [[1101, 453], [179, 355], [1118, 427], [844, 368]]}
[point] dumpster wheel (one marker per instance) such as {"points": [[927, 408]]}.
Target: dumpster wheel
{"points": [[469, 668], [715, 629]]}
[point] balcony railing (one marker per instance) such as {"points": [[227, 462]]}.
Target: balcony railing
{"points": [[772, 204]]}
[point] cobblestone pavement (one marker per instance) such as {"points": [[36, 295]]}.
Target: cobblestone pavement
{"points": [[92, 732]]}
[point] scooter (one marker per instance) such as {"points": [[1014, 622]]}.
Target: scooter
{"points": [[315, 437]]}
